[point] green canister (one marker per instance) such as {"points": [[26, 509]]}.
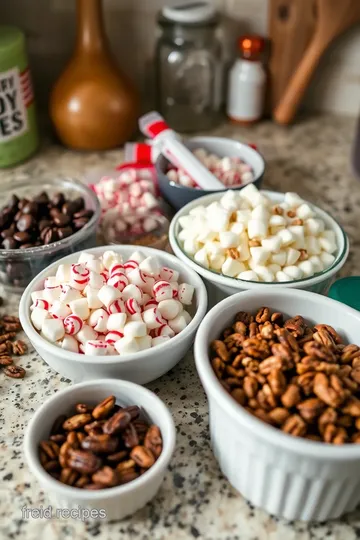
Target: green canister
{"points": [[18, 129]]}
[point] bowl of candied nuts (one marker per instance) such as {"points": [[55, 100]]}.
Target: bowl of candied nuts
{"points": [[282, 376], [100, 448], [41, 221]]}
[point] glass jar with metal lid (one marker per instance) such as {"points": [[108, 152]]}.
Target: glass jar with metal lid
{"points": [[189, 66]]}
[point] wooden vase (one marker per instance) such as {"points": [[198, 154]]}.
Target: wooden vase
{"points": [[93, 106]]}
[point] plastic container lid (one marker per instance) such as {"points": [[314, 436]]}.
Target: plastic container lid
{"points": [[251, 45], [189, 13], [12, 42], [347, 291]]}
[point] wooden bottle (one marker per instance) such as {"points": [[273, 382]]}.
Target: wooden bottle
{"points": [[92, 105]]}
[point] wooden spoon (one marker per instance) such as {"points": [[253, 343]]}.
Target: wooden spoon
{"points": [[334, 17]]}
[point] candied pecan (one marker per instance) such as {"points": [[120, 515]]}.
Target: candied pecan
{"points": [[11, 327], [308, 336], [5, 338], [239, 395], [250, 364], [262, 415], [283, 350], [117, 422], [277, 318], [58, 439], [6, 360], [277, 382], [355, 375], [336, 337], [345, 420], [267, 331], [271, 363], [82, 481], [220, 349], [100, 444], [262, 315], [334, 434], [350, 384], [94, 428], [50, 448], [19, 347], [72, 439], [277, 210], [64, 453], [306, 382], [68, 476], [103, 409], [128, 476], [118, 456], [233, 253], [329, 416], [233, 382], [296, 326], [349, 353], [244, 317], [106, 476], [294, 425], [256, 348], [51, 465], [327, 393], [227, 332], [291, 396], [279, 415], [234, 340], [269, 395], [352, 406], [237, 363], [320, 351], [356, 438], [324, 337], [253, 329], [303, 255], [82, 408], [142, 456], [234, 373], [218, 366], [286, 338], [240, 328], [125, 465], [130, 436], [254, 243], [310, 409], [306, 364], [14, 372], [77, 421], [83, 462]]}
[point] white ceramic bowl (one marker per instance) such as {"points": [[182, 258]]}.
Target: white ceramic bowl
{"points": [[141, 367], [288, 476], [117, 502], [319, 283]]}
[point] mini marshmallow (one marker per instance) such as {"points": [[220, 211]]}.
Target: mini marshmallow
{"points": [[116, 268], [168, 274], [38, 316], [232, 267], [312, 245], [257, 228], [217, 261], [79, 276], [260, 255], [298, 232], [286, 237], [188, 317], [110, 257], [135, 329], [111, 351], [306, 268], [136, 317], [260, 212], [53, 329], [69, 343], [59, 310], [73, 324], [117, 307], [175, 289], [95, 348], [85, 257], [228, 239], [248, 275], [293, 199], [274, 268], [132, 306], [108, 294], [51, 282], [150, 304], [37, 295], [243, 216], [138, 277], [159, 340], [186, 293], [80, 308], [144, 342], [52, 294], [277, 221], [282, 277], [113, 336], [137, 256], [94, 265], [153, 318], [304, 211], [264, 273], [279, 258], [237, 228], [178, 323], [92, 296], [162, 290], [327, 259], [330, 235], [150, 265], [327, 245], [119, 281], [169, 309], [39, 303], [132, 291], [86, 334], [191, 247], [314, 226], [294, 272], [96, 281], [127, 345], [271, 244], [201, 258], [163, 330], [316, 263], [63, 273], [98, 320], [292, 255]]}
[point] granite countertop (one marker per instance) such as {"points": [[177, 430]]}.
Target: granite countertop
{"points": [[195, 501]]}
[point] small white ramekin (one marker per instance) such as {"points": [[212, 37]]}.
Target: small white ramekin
{"points": [[288, 476], [141, 367], [319, 283], [116, 502]]}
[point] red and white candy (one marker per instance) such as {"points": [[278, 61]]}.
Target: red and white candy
{"points": [[73, 324]]}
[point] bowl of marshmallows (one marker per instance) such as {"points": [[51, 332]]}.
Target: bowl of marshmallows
{"points": [[125, 312], [251, 239]]}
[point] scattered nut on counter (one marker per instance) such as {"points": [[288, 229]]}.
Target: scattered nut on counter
{"points": [[301, 379], [246, 236], [100, 447], [9, 327], [231, 171], [105, 305]]}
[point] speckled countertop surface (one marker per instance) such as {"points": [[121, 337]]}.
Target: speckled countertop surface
{"points": [[195, 501]]}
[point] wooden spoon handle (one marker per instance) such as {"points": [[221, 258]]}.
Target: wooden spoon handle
{"points": [[289, 103]]}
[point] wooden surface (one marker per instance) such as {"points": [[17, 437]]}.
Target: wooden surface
{"points": [[333, 18], [291, 26]]}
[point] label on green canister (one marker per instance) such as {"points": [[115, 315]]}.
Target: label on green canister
{"points": [[18, 130]]}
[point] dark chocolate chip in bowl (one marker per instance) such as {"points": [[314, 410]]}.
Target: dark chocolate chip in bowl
{"points": [[43, 224], [80, 222], [6, 233], [25, 222], [22, 237], [58, 200], [84, 213], [61, 220], [79, 204], [22, 203], [30, 208], [42, 198], [64, 232], [9, 243], [50, 236], [69, 208], [14, 200]]}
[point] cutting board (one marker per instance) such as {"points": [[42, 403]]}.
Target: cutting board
{"points": [[291, 25]]}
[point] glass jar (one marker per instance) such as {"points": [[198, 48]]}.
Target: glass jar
{"points": [[189, 67]]}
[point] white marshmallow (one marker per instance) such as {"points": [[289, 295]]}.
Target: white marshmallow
{"points": [[286, 237], [38, 316], [137, 256], [144, 342], [53, 329], [293, 199], [110, 257], [271, 244], [113, 336], [294, 272], [237, 228], [279, 258], [228, 239], [186, 222], [116, 321], [63, 273], [92, 296], [260, 255], [95, 265], [163, 330], [80, 308], [132, 306], [108, 294], [73, 324], [79, 276], [52, 294], [314, 226], [316, 263], [178, 323], [59, 310], [298, 232], [274, 268], [136, 317], [186, 293], [292, 255], [168, 274], [37, 295], [153, 318], [188, 317], [202, 258], [327, 259], [117, 307], [248, 275], [69, 343], [327, 245], [95, 348], [96, 281], [132, 291], [243, 248], [116, 268], [191, 246], [150, 304], [86, 334], [150, 265], [119, 280], [232, 267], [312, 245], [159, 340], [304, 211], [243, 216], [257, 228], [162, 290], [85, 257], [169, 309], [281, 276], [277, 221], [330, 235], [135, 329], [219, 219], [260, 212], [306, 267], [111, 351], [51, 282], [98, 320], [39, 303], [264, 273], [216, 261], [127, 345]]}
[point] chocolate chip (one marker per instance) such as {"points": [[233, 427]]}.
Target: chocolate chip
{"points": [[14, 200], [50, 236], [79, 204], [58, 200], [69, 208], [44, 223], [6, 233], [80, 222], [22, 237], [22, 203], [61, 220], [30, 208], [25, 222], [84, 213], [64, 232], [26, 246], [9, 243], [42, 198]]}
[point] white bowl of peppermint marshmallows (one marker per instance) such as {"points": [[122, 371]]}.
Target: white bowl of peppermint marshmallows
{"points": [[121, 311]]}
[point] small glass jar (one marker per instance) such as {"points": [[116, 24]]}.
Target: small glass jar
{"points": [[189, 67]]}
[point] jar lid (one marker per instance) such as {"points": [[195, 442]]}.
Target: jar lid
{"points": [[12, 41], [190, 13], [347, 291], [251, 45]]}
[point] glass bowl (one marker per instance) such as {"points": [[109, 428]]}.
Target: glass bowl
{"points": [[19, 266]]}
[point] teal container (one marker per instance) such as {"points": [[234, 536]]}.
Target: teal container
{"points": [[18, 129]]}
